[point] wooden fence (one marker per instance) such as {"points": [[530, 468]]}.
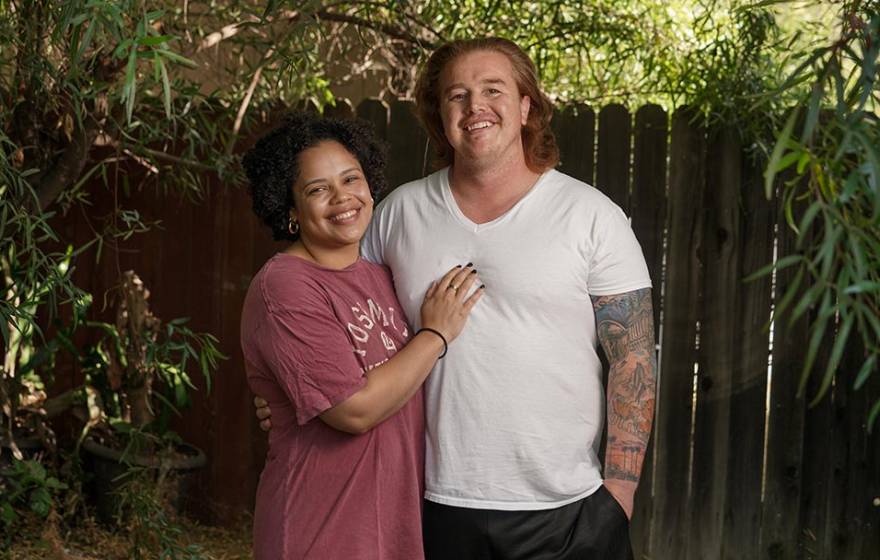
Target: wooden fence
{"points": [[739, 467]]}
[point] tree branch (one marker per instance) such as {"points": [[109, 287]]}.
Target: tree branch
{"points": [[178, 160], [233, 29], [68, 167], [410, 17], [385, 28], [242, 109]]}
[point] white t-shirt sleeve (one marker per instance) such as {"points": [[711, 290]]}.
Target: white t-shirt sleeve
{"points": [[617, 264], [372, 244]]}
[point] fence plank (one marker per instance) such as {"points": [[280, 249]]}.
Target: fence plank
{"points": [[613, 154], [783, 476], [820, 447], [342, 109], [648, 207], [678, 355], [211, 414], [376, 113], [742, 514], [195, 227], [648, 220], [408, 146], [575, 130], [864, 493], [174, 293], [720, 252], [612, 178], [854, 519], [233, 398], [209, 481]]}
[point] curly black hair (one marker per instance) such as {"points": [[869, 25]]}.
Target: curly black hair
{"points": [[272, 165]]}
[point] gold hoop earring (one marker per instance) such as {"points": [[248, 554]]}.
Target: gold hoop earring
{"points": [[292, 226]]}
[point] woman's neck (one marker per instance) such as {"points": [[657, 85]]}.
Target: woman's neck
{"points": [[336, 259]]}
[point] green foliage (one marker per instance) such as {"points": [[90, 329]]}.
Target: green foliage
{"points": [[36, 280], [144, 506], [828, 152], [161, 365], [26, 485]]}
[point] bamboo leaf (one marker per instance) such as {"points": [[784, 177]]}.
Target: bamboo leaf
{"points": [[812, 351], [870, 317], [130, 88], [86, 39], [798, 76], [778, 149], [807, 220], [77, 20], [123, 47], [174, 57], [836, 354], [871, 167], [166, 402], [780, 264], [166, 87], [865, 372], [154, 40], [790, 292], [863, 287], [803, 162], [814, 106], [808, 300], [872, 416], [787, 160]]}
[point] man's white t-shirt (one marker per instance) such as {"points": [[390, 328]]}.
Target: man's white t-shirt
{"points": [[515, 409]]}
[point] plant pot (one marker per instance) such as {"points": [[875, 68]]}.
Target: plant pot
{"points": [[110, 470]]}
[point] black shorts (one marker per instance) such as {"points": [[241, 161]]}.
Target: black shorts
{"points": [[595, 527]]}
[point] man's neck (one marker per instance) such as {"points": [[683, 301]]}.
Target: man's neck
{"points": [[484, 193]]}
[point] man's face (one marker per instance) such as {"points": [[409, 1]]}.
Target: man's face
{"points": [[482, 110]]}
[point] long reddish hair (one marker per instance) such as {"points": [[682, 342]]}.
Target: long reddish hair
{"points": [[539, 143]]}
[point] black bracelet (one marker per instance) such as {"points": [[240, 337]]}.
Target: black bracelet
{"points": [[443, 338]]}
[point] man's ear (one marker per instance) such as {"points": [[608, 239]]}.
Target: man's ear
{"points": [[525, 104]]}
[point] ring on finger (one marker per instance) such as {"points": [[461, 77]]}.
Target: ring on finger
{"points": [[453, 288]]}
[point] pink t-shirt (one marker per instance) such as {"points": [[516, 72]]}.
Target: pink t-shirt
{"points": [[309, 334]]}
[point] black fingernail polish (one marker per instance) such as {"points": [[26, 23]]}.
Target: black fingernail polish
{"points": [[458, 266], [474, 271], [482, 286], [469, 264]]}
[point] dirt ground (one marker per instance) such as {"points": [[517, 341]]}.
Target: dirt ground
{"points": [[91, 542]]}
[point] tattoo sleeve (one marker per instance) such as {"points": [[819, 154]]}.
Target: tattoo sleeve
{"points": [[625, 326]]}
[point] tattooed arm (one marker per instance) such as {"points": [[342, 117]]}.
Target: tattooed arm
{"points": [[625, 325]]}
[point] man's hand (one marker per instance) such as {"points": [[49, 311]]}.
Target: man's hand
{"points": [[624, 492], [264, 413]]}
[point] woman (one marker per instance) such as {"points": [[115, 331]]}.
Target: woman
{"points": [[326, 344]]}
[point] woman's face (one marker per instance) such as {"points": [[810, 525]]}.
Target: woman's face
{"points": [[332, 200]]}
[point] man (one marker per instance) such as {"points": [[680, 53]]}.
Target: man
{"points": [[514, 410]]}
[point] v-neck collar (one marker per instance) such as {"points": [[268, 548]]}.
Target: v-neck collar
{"points": [[470, 225]]}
